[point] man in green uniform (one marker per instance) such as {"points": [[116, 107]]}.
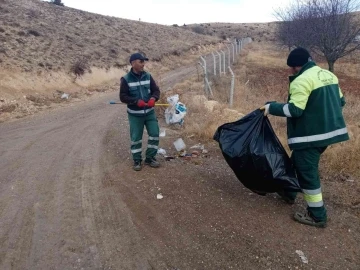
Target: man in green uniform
{"points": [[140, 92], [314, 121]]}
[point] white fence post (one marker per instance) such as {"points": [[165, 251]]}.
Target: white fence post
{"points": [[214, 63], [219, 62], [202, 58], [205, 73], [229, 54], [233, 47], [224, 62], [231, 99], [210, 93], [207, 88]]}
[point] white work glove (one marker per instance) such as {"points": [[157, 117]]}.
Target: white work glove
{"points": [[265, 108]]}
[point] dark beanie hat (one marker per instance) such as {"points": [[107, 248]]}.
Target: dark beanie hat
{"points": [[298, 57]]}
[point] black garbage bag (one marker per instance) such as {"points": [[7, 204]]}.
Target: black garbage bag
{"points": [[255, 154]]}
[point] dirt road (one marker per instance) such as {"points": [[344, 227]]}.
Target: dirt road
{"points": [[69, 199]]}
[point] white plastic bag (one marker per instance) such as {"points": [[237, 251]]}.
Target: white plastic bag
{"points": [[179, 145], [161, 151], [172, 100], [176, 112], [65, 96]]}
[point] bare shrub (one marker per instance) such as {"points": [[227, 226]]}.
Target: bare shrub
{"points": [[33, 14], [57, 2], [198, 29], [7, 108], [79, 67], [113, 53], [327, 28], [118, 65], [19, 40], [34, 33], [176, 52]]}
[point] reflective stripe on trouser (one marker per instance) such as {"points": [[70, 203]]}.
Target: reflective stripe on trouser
{"points": [[137, 124], [306, 162]]}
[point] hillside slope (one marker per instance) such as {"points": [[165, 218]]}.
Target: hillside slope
{"points": [[259, 32], [38, 35]]}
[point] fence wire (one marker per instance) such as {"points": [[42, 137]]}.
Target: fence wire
{"points": [[217, 72]]}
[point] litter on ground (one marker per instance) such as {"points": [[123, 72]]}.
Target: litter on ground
{"points": [[302, 256]]}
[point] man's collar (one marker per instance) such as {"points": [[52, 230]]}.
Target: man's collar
{"points": [[305, 67], [136, 74]]}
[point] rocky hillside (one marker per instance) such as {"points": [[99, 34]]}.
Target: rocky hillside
{"points": [[38, 35], [44, 47]]}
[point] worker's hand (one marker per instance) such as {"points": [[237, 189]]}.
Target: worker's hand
{"points": [[140, 103], [265, 108], [151, 102]]}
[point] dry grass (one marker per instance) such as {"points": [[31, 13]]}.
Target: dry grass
{"points": [[45, 48], [261, 75], [44, 44], [203, 116], [260, 32], [7, 108], [269, 82], [41, 42], [260, 79], [39, 36]]}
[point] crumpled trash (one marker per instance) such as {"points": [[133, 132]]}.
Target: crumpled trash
{"points": [[200, 147], [159, 196], [162, 133], [65, 96], [195, 153], [161, 151], [302, 256], [179, 145], [182, 153]]}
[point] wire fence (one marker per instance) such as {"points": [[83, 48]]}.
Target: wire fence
{"points": [[218, 64]]}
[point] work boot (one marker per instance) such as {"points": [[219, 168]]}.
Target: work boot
{"points": [[137, 165], [285, 198], [307, 219], [152, 162]]}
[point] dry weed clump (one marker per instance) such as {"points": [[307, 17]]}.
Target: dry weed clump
{"points": [[7, 108], [59, 35], [260, 32], [79, 68], [261, 81], [260, 77], [47, 100], [205, 116]]}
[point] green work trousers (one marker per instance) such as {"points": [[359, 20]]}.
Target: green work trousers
{"points": [[306, 162], [137, 124]]}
